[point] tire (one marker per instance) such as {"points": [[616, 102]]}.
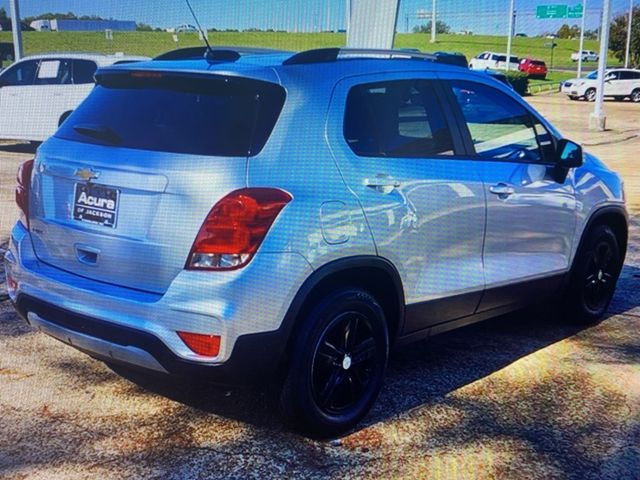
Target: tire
{"points": [[635, 96], [594, 276], [573, 97], [590, 95], [337, 364]]}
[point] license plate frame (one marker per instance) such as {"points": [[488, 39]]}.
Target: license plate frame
{"points": [[96, 204]]}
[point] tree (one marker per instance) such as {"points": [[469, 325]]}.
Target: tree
{"points": [[565, 31], [591, 34], [143, 27], [441, 27], [618, 37], [3, 14], [61, 16]]}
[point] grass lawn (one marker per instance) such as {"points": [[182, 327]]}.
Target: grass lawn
{"points": [[154, 43]]}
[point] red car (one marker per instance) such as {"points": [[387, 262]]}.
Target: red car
{"points": [[533, 68]]}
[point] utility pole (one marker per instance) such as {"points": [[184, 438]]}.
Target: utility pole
{"points": [[598, 119], [328, 25], [18, 50], [629, 22], [582, 26], [434, 23], [511, 10]]}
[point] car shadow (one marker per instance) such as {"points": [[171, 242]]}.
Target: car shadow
{"points": [[418, 374], [19, 147]]}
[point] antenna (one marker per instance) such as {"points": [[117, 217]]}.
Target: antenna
{"points": [[202, 32]]}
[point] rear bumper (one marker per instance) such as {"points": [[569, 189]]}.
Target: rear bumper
{"points": [[245, 308], [254, 358]]}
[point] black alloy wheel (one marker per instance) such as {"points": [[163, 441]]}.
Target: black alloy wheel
{"points": [[343, 363], [337, 363], [600, 276], [594, 276]]}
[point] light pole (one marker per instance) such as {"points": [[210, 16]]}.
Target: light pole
{"points": [[347, 13], [598, 119], [18, 50], [583, 23], [511, 10], [433, 22], [629, 22]]}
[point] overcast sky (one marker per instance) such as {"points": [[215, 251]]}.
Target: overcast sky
{"points": [[480, 16]]}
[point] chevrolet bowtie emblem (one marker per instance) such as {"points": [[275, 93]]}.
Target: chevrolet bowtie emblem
{"points": [[87, 174]]}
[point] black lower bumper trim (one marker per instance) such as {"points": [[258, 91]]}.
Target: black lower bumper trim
{"points": [[254, 358]]}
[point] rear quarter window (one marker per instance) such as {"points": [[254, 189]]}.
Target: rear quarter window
{"points": [[83, 71]]}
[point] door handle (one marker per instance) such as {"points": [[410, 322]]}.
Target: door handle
{"points": [[382, 183], [503, 190]]}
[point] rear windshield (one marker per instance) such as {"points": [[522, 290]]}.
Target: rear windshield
{"points": [[537, 62], [212, 115]]}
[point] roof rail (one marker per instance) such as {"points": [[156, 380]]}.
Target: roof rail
{"points": [[326, 55], [219, 53]]}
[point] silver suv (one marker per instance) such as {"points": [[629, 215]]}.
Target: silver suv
{"points": [[262, 216]]}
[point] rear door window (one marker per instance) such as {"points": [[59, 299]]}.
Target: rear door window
{"points": [[629, 75], [54, 72], [396, 119], [199, 114]]}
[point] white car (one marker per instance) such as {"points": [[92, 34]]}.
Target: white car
{"points": [[185, 28], [493, 61], [39, 92], [587, 56], [619, 83]]}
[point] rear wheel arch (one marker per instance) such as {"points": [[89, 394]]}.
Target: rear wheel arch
{"points": [[376, 275]]}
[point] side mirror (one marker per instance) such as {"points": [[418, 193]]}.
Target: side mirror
{"points": [[569, 154]]}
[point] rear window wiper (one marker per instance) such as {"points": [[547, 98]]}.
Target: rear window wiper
{"points": [[100, 132]]}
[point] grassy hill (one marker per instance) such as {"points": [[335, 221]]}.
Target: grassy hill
{"points": [[154, 43]]}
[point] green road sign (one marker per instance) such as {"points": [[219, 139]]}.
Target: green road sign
{"points": [[558, 11], [551, 11], [575, 12]]}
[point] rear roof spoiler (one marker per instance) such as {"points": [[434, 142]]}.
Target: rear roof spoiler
{"points": [[222, 53]]}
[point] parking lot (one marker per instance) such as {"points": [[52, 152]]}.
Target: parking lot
{"points": [[522, 396]]}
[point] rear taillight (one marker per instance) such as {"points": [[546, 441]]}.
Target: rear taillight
{"points": [[235, 228], [23, 184]]}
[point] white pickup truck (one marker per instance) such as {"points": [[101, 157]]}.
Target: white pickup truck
{"points": [[587, 56]]}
